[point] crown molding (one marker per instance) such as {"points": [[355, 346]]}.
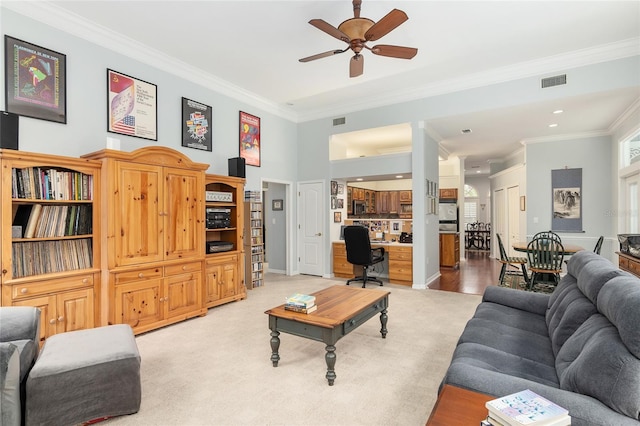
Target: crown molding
{"points": [[633, 108], [566, 137], [73, 24]]}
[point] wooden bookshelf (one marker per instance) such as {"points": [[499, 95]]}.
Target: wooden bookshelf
{"points": [[224, 272], [49, 231], [254, 244]]}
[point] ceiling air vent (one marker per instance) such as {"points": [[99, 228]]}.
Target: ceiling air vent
{"points": [[339, 121], [554, 81]]}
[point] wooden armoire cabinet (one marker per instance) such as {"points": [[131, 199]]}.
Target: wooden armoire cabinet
{"points": [[49, 231], [153, 232]]}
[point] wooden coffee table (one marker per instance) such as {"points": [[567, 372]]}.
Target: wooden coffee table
{"points": [[459, 407], [341, 310]]}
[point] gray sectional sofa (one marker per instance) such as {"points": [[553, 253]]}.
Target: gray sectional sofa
{"points": [[578, 347]]}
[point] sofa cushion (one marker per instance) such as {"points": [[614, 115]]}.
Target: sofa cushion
{"points": [[495, 360], [510, 339], [28, 350], [619, 301], [595, 362], [568, 309]]}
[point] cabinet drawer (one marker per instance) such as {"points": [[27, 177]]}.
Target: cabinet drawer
{"points": [[217, 260], [401, 253], [340, 250], [623, 263], [400, 271], [342, 266], [138, 274], [634, 267], [22, 291], [179, 269]]}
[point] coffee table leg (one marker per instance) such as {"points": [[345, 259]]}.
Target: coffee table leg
{"points": [[330, 357], [275, 345], [383, 321]]}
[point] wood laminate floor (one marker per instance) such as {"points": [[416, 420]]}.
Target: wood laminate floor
{"points": [[477, 271]]}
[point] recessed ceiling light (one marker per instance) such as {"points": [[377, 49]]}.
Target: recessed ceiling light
{"points": [[553, 125], [558, 111], [466, 130], [478, 171], [359, 179], [399, 176]]}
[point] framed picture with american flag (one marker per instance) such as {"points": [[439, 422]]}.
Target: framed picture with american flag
{"points": [[132, 106]]}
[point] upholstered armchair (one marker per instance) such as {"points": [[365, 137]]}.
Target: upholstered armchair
{"points": [[19, 346]]}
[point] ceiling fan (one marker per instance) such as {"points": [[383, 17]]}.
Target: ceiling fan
{"points": [[357, 31]]}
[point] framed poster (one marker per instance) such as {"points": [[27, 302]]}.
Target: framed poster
{"points": [[132, 106], [337, 217], [196, 122], [250, 139], [277, 205], [334, 187], [35, 81]]}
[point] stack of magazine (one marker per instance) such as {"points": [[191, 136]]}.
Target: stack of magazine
{"points": [[525, 408], [303, 303]]}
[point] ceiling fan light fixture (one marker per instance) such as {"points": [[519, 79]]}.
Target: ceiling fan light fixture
{"points": [[355, 28]]}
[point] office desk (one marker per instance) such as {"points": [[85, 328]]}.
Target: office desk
{"points": [[398, 255]]}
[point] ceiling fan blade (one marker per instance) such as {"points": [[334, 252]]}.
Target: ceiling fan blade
{"points": [[322, 55], [329, 29], [394, 51], [381, 28], [356, 66]]}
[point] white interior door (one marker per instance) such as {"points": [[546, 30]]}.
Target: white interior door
{"points": [[310, 224], [499, 224], [513, 218]]}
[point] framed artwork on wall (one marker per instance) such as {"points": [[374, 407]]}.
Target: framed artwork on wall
{"points": [[132, 106], [250, 139], [277, 205], [196, 125], [337, 217], [35, 81]]}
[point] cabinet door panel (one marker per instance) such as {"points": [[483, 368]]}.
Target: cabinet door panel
{"points": [[229, 286], [75, 310], [212, 283], [48, 319], [183, 212], [183, 294], [138, 229], [138, 304]]}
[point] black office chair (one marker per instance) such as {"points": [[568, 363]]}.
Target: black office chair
{"points": [[359, 252]]}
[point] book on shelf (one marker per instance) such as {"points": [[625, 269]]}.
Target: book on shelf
{"points": [[527, 408], [34, 216], [300, 309], [301, 300]]}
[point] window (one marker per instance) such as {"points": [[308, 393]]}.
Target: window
{"points": [[470, 211], [470, 191]]}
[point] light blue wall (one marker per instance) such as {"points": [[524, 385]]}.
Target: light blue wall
{"points": [[593, 156], [86, 132], [275, 230]]}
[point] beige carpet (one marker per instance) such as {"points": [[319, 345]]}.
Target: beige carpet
{"points": [[216, 370]]}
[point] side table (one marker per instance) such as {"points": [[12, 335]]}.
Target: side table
{"points": [[459, 407]]}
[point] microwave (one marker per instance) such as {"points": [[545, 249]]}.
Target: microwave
{"points": [[359, 207]]}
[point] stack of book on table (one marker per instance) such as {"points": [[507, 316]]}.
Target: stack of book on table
{"points": [[525, 408], [304, 303]]}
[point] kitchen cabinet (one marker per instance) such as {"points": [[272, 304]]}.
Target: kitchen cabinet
{"points": [[448, 193], [450, 250], [405, 196]]}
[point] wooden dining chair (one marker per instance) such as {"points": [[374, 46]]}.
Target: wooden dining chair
{"points": [[548, 235], [511, 262], [545, 259]]}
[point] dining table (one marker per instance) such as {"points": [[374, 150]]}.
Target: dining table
{"points": [[569, 249]]}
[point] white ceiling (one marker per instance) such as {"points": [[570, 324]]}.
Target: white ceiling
{"points": [[253, 47]]}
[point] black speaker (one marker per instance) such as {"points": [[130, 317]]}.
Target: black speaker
{"points": [[237, 167], [8, 130]]}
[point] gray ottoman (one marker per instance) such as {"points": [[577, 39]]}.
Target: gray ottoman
{"points": [[84, 375]]}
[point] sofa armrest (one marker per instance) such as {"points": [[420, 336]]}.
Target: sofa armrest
{"points": [[19, 323], [583, 409], [536, 303]]}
